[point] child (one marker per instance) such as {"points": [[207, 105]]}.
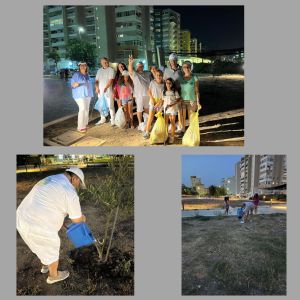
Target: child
{"points": [[189, 85], [126, 97], [171, 99], [155, 93], [226, 201]]}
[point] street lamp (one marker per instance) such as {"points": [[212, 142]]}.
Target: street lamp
{"points": [[80, 30]]}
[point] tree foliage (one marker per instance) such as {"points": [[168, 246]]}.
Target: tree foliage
{"points": [[55, 56], [78, 50], [112, 194]]}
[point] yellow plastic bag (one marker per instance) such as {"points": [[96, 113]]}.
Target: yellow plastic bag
{"points": [[159, 132], [192, 136]]}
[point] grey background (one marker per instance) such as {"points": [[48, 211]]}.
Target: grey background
{"points": [[272, 105]]}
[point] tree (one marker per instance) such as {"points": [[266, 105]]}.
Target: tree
{"points": [[221, 191], [78, 50], [212, 190], [112, 194], [55, 56]]}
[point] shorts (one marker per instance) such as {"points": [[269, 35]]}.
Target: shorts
{"points": [[142, 102], [126, 101], [173, 110], [189, 105]]}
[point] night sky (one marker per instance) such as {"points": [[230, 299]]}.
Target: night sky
{"points": [[218, 27], [210, 168]]}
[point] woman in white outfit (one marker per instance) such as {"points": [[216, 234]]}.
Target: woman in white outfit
{"points": [[41, 215], [82, 91]]}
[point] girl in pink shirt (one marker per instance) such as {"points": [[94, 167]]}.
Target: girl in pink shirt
{"points": [[126, 96]]}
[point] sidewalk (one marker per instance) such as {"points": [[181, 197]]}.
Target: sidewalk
{"points": [[262, 210]]}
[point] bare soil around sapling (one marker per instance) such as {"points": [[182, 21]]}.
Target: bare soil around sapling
{"points": [[88, 276]]}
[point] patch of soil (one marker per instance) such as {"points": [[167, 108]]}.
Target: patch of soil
{"points": [[119, 264]]}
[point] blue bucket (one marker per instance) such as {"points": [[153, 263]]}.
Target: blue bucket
{"points": [[80, 234]]}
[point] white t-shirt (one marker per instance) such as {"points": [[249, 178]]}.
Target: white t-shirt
{"points": [[48, 203], [170, 97], [141, 82], [156, 89], [103, 76]]}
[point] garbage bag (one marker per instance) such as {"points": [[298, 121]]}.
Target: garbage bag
{"points": [[101, 106], [159, 132], [192, 136], [120, 119]]}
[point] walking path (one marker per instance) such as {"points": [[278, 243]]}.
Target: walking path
{"points": [[280, 208]]}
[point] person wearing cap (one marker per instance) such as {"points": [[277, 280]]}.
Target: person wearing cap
{"points": [[103, 85], [126, 96], [174, 71], [82, 92], [41, 215], [141, 81], [189, 91]]}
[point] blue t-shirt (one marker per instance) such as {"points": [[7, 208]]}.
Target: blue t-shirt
{"points": [[85, 88]]}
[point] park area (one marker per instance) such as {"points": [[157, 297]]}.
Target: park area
{"points": [[90, 274], [221, 118], [220, 256]]}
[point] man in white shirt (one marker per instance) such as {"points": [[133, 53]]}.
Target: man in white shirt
{"points": [[41, 215], [103, 85], [141, 81]]}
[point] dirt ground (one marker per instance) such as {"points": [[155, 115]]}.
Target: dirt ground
{"points": [[87, 277], [194, 203], [220, 256]]}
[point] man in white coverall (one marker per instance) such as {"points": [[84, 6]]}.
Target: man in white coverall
{"points": [[103, 86], [141, 81], [41, 215]]}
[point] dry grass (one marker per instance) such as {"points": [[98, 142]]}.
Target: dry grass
{"points": [[220, 256]]}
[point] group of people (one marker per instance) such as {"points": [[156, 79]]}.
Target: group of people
{"points": [[248, 208], [174, 91]]}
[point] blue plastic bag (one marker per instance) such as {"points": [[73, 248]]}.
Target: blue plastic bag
{"points": [[101, 106], [240, 212]]}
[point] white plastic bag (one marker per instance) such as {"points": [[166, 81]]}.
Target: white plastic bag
{"points": [[120, 119]]}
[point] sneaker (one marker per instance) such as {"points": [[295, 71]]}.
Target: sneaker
{"points": [[44, 269], [61, 275], [102, 121], [171, 140], [242, 222], [146, 135], [141, 127]]}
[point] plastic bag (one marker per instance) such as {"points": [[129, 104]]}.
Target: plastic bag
{"points": [[101, 106], [159, 132], [240, 212], [192, 136], [120, 119]]}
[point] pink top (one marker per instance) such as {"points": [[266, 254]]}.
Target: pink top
{"points": [[125, 92]]}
